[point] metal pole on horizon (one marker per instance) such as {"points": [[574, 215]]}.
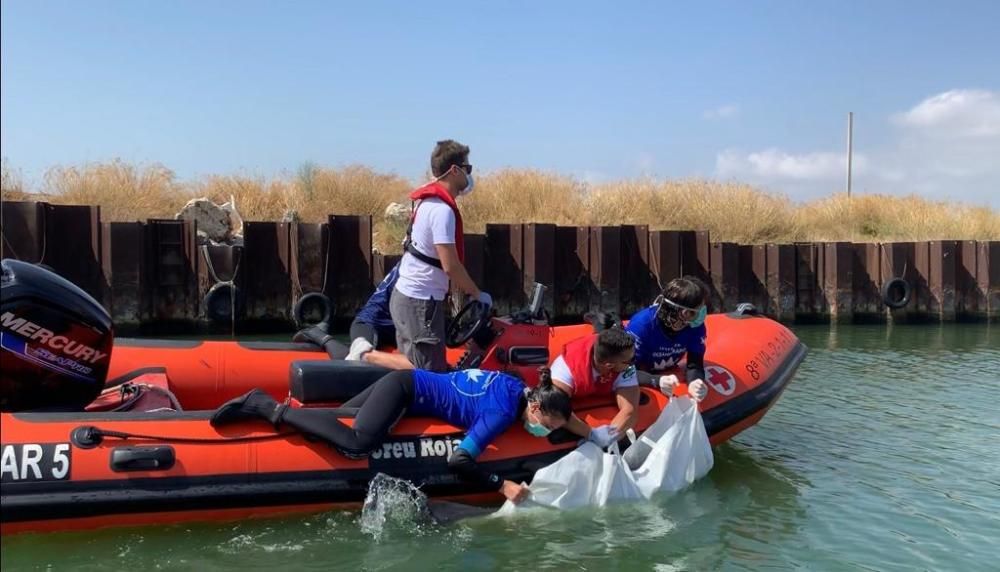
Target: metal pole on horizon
{"points": [[850, 148]]}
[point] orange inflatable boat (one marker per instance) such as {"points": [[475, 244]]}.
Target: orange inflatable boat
{"points": [[142, 451]]}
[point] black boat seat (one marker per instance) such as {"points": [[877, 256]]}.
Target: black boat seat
{"points": [[331, 381]]}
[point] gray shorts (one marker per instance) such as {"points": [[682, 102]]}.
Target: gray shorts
{"points": [[419, 330]]}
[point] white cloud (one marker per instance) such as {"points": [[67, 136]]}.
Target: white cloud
{"points": [[775, 164], [944, 147], [947, 146], [723, 112], [955, 113]]}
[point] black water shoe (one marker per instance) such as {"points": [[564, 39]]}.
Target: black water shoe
{"points": [[254, 404], [318, 335]]}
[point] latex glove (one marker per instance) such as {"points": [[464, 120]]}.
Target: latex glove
{"points": [[698, 390], [485, 299], [603, 436], [514, 492], [667, 384]]}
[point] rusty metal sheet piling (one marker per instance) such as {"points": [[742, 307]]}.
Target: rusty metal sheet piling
{"points": [[23, 231], [752, 278], [988, 276], [942, 279], [79, 258], [606, 268], [124, 262], [502, 266], [573, 285], [309, 243], [696, 255], [970, 300], [921, 286], [638, 282], [781, 285], [475, 257], [867, 283], [810, 302], [349, 264], [665, 256], [900, 262], [154, 274], [539, 261], [268, 271], [838, 280], [725, 270], [172, 261]]}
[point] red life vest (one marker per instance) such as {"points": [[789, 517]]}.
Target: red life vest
{"points": [[436, 190], [579, 357]]}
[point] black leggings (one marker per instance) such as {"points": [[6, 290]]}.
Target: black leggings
{"points": [[363, 330], [380, 407], [373, 334]]}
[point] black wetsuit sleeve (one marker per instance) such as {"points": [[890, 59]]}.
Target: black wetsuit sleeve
{"points": [[695, 366], [462, 462]]}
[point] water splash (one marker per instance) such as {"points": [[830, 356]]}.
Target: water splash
{"points": [[258, 540], [393, 504]]}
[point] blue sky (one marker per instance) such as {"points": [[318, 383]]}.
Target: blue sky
{"points": [[750, 91]]}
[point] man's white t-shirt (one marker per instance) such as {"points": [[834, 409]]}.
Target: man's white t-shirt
{"points": [[434, 224], [561, 372]]}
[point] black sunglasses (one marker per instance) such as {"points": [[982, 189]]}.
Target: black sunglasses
{"points": [[467, 167]]}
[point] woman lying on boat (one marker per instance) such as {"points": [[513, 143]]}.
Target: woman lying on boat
{"points": [[485, 403]]}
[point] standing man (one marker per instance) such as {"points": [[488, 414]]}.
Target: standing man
{"points": [[434, 253]]}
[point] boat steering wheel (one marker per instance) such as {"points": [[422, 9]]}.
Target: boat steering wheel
{"points": [[466, 323]]}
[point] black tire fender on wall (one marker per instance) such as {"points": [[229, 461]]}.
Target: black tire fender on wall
{"points": [[309, 301], [896, 293], [219, 302]]}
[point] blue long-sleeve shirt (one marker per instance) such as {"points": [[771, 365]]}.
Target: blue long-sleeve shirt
{"points": [[655, 350]]}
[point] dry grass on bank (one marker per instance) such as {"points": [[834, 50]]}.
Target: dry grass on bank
{"points": [[123, 191], [729, 211], [871, 218], [12, 185]]}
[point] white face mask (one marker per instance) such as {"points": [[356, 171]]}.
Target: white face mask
{"points": [[470, 183]]}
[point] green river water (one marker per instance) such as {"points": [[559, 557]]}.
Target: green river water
{"points": [[883, 454]]}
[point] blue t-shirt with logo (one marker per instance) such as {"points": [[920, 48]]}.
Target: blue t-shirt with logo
{"points": [[376, 310], [654, 349], [486, 403]]}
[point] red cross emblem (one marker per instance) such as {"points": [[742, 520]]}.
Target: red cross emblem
{"points": [[720, 379]]}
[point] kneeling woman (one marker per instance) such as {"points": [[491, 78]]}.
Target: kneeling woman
{"points": [[672, 328], [600, 364], [485, 403]]}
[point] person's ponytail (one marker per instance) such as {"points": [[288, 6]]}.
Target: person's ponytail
{"points": [[550, 399], [544, 377]]}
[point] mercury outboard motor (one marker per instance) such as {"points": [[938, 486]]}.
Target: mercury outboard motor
{"points": [[55, 341]]}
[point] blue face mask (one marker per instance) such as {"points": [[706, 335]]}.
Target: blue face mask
{"points": [[536, 429], [699, 318]]}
